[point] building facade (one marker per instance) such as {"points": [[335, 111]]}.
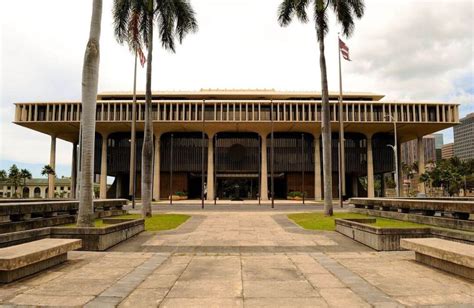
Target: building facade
{"points": [[36, 188], [439, 142], [410, 151], [226, 138], [448, 151], [464, 138]]}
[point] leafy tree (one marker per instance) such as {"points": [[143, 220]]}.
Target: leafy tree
{"points": [[3, 175], [345, 11], [134, 21]]}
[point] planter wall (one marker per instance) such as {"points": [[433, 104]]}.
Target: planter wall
{"points": [[95, 239], [99, 239], [380, 239]]}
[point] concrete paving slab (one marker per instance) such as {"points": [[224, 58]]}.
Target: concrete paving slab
{"points": [[270, 288]]}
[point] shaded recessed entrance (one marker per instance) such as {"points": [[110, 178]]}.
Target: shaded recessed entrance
{"points": [[237, 165]]}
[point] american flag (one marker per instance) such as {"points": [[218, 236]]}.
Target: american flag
{"points": [[142, 57], [344, 50]]}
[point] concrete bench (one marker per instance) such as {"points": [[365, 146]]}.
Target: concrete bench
{"points": [[453, 257], [25, 259]]}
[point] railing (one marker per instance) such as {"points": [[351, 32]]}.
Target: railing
{"points": [[242, 111]]}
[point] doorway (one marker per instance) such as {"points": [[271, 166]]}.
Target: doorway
{"points": [[237, 188]]}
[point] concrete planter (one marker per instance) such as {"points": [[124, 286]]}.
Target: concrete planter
{"points": [[380, 239], [294, 198], [177, 198], [99, 239]]}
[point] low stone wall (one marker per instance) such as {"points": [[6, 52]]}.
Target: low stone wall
{"points": [[99, 239], [429, 207], [19, 216], [96, 239], [452, 223], [380, 239]]}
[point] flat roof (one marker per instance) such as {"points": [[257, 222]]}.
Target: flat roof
{"points": [[240, 94]]}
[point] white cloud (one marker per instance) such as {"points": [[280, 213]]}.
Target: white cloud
{"points": [[405, 49]]}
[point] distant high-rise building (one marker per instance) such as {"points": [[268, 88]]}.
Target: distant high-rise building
{"points": [[409, 150], [464, 138], [438, 145], [447, 151]]}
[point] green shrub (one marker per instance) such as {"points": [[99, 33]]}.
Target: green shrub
{"points": [[293, 194]]}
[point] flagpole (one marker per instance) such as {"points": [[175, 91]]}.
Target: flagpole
{"points": [[133, 148], [341, 130]]}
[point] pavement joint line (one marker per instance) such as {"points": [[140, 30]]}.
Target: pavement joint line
{"points": [[304, 275], [357, 284], [171, 288], [117, 292]]}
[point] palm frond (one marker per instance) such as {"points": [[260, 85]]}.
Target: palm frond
{"points": [[344, 15], [121, 12], [286, 10], [358, 6], [300, 10], [166, 18], [185, 19], [321, 19]]}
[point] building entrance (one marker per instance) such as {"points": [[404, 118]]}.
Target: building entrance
{"points": [[237, 188]]}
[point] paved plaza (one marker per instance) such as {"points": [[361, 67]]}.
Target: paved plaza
{"points": [[240, 256]]}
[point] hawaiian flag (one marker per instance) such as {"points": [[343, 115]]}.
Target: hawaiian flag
{"points": [[344, 50]]}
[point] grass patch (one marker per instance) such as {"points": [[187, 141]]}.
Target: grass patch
{"points": [[393, 223], [317, 221], [98, 223], [160, 222]]}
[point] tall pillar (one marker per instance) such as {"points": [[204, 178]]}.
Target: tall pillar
{"points": [[52, 163], [264, 170], [74, 170], [210, 167], [157, 168], [118, 186], [103, 168], [317, 169], [370, 168], [421, 163]]}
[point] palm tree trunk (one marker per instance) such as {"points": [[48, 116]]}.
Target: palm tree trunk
{"points": [[325, 126], [147, 150], [90, 80]]}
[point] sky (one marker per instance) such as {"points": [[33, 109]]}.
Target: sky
{"points": [[408, 50]]}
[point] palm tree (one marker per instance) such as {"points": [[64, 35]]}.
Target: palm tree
{"points": [[345, 11], [25, 174], [134, 21], [90, 80], [47, 170]]}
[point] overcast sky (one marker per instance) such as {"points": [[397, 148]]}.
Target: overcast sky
{"points": [[405, 49]]}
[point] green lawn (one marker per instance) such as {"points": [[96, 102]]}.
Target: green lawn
{"points": [[158, 222], [317, 221]]}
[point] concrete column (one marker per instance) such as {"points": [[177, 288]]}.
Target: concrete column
{"points": [[103, 168], [157, 168], [370, 168], [74, 170], [317, 169], [118, 187], [52, 163], [421, 163], [210, 167], [264, 171]]}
